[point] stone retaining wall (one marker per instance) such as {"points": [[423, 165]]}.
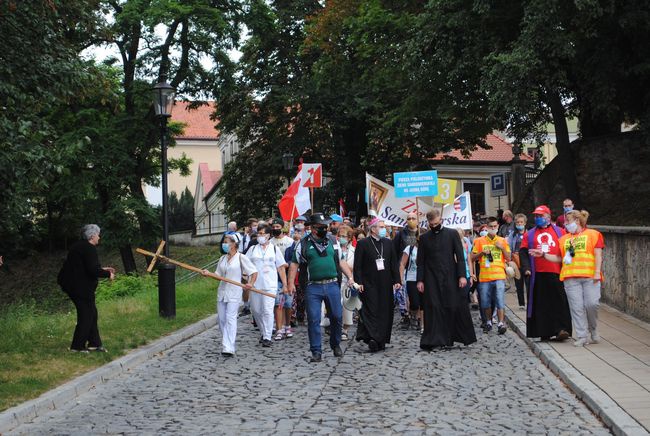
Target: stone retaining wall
{"points": [[626, 265]]}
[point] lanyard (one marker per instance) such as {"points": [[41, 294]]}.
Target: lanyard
{"points": [[381, 255]]}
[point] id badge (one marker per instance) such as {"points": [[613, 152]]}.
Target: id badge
{"points": [[545, 248], [380, 264], [568, 259]]}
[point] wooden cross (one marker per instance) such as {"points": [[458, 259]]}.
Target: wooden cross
{"points": [[157, 256]]}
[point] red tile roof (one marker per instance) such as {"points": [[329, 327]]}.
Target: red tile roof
{"points": [[208, 178], [198, 124], [500, 151]]}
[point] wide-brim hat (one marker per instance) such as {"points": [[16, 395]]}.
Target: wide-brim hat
{"points": [[319, 218], [512, 270], [351, 300]]}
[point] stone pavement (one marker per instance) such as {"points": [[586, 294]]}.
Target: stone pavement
{"points": [[619, 365], [496, 386]]}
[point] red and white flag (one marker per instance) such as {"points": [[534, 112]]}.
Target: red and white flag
{"points": [[342, 211], [296, 200]]}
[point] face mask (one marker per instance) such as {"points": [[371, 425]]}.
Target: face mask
{"points": [[520, 228], [382, 233], [254, 228], [437, 227], [300, 227], [568, 209], [492, 232], [321, 232], [343, 241], [276, 232], [307, 232], [225, 247], [482, 233], [413, 224], [262, 240], [540, 221], [571, 227]]}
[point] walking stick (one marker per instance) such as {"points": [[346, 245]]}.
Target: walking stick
{"points": [[157, 256]]}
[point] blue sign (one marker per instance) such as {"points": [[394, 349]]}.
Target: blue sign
{"points": [[498, 185], [416, 184]]}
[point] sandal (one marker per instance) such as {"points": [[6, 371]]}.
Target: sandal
{"points": [[288, 332], [279, 335], [344, 336]]}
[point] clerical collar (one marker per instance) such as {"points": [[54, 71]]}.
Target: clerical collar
{"points": [[376, 238]]}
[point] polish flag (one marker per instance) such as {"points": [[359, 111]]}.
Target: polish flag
{"points": [[296, 200], [342, 211]]}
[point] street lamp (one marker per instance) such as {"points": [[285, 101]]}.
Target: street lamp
{"points": [[163, 102]]}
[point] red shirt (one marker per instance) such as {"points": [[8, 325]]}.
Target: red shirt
{"points": [[545, 237]]}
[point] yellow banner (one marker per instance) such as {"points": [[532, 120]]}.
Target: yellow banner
{"points": [[446, 191]]}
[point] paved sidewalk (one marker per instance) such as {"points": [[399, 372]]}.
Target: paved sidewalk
{"points": [[496, 386], [619, 365]]}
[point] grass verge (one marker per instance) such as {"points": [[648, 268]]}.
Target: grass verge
{"points": [[34, 356]]}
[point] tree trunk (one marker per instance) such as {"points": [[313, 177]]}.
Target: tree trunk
{"points": [[563, 145], [127, 259]]}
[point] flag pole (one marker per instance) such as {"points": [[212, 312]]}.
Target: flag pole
{"points": [[417, 213], [311, 191]]}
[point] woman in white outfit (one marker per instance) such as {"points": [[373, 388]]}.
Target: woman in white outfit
{"points": [[231, 266], [270, 264], [345, 236]]}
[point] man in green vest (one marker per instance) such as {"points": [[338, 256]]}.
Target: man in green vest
{"points": [[320, 271]]}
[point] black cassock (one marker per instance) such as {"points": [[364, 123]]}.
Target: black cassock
{"points": [[376, 314], [446, 311]]}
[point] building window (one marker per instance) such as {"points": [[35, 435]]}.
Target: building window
{"points": [[477, 196]]}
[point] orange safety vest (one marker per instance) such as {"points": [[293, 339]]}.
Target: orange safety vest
{"points": [[584, 261], [497, 268]]}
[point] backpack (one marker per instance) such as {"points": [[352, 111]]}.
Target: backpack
{"points": [[303, 278]]}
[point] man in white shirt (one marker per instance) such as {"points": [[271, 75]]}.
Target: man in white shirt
{"points": [[279, 239], [269, 262]]}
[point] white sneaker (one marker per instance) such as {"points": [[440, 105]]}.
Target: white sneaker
{"points": [[581, 342], [595, 337]]}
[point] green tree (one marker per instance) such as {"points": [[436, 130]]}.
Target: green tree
{"points": [[181, 211]]}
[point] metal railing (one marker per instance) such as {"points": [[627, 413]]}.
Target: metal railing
{"points": [[187, 277]]}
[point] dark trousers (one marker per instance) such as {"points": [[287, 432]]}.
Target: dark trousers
{"points": [[521, 291], [86, 332]]}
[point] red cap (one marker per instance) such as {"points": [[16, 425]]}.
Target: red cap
{"points": [[541, 210]]}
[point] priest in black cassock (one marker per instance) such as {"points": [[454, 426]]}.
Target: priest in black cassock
{"points": [[376, 269], [441, 277]]}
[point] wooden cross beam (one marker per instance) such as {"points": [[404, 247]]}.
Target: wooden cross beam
{"points": [[157, 256]]}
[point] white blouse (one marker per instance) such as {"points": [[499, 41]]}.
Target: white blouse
{"points": [[267, 261], [232, 269]]}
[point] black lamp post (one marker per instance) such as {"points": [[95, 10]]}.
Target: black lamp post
{"points": [[287, 164], [163, 102]]}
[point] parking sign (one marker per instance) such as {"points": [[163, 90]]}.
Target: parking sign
{"points": [[498, 185]]}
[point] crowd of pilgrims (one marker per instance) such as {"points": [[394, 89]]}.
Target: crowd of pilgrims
{"points": [[330, 273]]}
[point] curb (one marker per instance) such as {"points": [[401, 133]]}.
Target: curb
{"points": [[61, 395], [601, 404]]}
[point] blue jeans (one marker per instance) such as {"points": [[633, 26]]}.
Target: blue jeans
{"points": [[492, 292], [315, 294]]}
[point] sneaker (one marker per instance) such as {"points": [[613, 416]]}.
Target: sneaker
{"points": [[502, 328], [99, 349], [227, 354], [487, 327], [495, 320], [315, 357], [337, 351], [288, 332], [344, 336], [595, 337], [581, 342], [266, 343]]}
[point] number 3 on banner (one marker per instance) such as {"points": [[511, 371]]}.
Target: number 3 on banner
{"points": [[446, 191]]}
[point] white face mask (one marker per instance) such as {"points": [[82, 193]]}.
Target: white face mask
{"points": [[492, 232], [571, 227], [262, 240]]}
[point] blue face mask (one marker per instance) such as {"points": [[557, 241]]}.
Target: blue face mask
{"points": [[520, 228], [382, 233], [568, 209], [540, 221], [482, 233], [225, 247], [343, 241]]}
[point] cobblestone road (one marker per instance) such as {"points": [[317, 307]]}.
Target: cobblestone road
{"points": [[496, 386]]}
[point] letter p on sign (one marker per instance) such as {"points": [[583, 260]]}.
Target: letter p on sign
{"points": [[311, 175]]}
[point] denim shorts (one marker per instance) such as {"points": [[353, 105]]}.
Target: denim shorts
{"points": [[283, 300], [492, 292]]}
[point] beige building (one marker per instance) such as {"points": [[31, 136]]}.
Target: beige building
{"points": [[473, 173], [199, 142]]}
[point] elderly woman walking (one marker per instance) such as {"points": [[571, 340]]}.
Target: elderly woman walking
{"points": [[233, 265], [78, 278]]}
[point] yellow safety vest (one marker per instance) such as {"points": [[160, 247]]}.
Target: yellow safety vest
{"points": [[584, 262], [497, 268]]}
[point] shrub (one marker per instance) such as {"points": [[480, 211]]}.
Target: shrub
{"points": [[125, 285]]}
